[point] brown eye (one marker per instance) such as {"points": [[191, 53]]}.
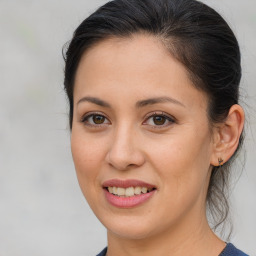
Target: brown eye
{"points": [[159, 120], [95, 120], [98, 119]]}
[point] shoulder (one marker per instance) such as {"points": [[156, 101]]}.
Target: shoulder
{"points": [[231, 250], [103, 252]]}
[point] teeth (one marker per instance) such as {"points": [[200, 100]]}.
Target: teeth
{"points": [[137, 191], [144, 190], [121, 191], [128, 192]]}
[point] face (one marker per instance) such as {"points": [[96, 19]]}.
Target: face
{"points": [[140, 139]]}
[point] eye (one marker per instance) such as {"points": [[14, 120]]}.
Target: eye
{"points": [[159, 120], [95, 119]]}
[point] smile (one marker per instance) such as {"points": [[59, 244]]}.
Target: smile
{"points": [[127, 193]]}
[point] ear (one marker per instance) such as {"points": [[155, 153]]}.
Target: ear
{"points": [[226, 135]]}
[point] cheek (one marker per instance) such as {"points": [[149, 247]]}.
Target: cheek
{"points": [[88, 155], [178, 154], [182, 164]]}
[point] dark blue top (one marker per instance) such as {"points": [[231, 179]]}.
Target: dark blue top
{"points": [[229, 250]]}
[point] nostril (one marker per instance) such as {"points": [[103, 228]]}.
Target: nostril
{"points": [[123, 154], [122, 161]]}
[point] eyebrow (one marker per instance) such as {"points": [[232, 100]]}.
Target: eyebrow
{"points": [[94, 100], [139, 104], [156, 100]]}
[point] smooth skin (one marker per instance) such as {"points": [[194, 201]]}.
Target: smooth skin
{"points": [[137, 115]]}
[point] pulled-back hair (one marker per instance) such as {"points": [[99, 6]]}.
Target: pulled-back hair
{"points": [[197, 36]]}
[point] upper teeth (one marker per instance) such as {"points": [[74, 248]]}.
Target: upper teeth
{"points": [[131, 191]]}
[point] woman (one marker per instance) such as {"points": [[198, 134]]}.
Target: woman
{"points": [[153, 87]]}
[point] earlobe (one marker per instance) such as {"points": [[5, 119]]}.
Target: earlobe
{"points": [[227, 135]]}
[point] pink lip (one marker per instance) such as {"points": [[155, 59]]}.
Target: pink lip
{"points": [[126, 183], [127, 202]]}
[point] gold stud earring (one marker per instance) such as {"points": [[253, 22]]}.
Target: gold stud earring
{"points": [[220, 161]]}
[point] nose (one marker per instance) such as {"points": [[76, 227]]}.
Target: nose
{"points": [[125, 150]]}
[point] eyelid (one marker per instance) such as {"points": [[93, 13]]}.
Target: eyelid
{"points": [[170, 118], [92, 113]]}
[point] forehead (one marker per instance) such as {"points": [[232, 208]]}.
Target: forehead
{"points": [[142, 45], [139, 66]]}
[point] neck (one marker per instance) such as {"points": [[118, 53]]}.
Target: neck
{"points": [[194, 240]]}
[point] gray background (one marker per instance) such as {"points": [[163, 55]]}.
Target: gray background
{"points": [[42, 211]]}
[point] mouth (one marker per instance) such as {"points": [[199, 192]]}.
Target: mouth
{"points": [[127, 193]]}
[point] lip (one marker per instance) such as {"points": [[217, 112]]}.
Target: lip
{"points": [[126, 183], [127, 202]]}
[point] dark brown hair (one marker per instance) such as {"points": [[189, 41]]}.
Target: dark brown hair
{"points": [[197, 36]]}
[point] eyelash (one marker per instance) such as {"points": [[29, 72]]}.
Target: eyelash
{"points": [[166, 117], [86, 117]]}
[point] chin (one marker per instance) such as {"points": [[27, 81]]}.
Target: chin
{"points": [[130, 232], [130, 227]]}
